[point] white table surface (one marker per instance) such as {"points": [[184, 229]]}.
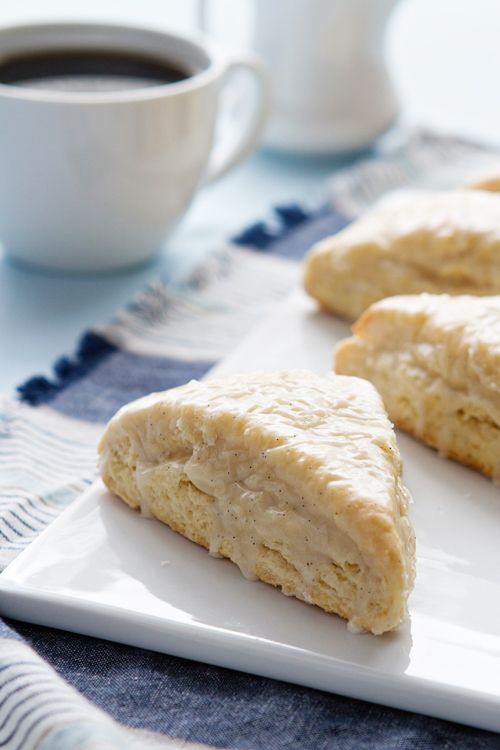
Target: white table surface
{"points": [[445, 58]]}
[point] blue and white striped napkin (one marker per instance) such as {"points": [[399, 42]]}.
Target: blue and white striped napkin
{"points": [[105, 695]]}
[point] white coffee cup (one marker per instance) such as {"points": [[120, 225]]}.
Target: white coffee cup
{"points": [[94, 181], [331, 87]]}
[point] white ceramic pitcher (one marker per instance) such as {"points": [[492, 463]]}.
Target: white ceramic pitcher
{"points": [[331, 88]]}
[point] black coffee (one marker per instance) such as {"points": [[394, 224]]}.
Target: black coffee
{"points": [[89, 70]]}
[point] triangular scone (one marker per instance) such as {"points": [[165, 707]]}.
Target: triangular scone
{"points": [[435, 360], [294, 477], [412, 242]]}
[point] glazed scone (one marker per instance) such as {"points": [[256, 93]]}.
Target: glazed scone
{"points": [[412, 242], [435, 360], [294, 477]]}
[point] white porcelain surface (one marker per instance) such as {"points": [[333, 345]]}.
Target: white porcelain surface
{"points": [[95, 181], [331, 86], [103, 570]]}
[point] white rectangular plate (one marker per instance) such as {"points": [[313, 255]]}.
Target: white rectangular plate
{"points": [[103, 570]]}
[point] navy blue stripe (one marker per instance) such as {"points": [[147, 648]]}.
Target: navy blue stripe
{"points": [[92, 350], [293, 231], [95, 389], [262, 235], [296, 245], [120, 378]]}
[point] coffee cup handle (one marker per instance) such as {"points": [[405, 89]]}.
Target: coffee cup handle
{"points": [[235, 146]]}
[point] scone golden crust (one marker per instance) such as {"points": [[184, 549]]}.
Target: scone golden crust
{"points": [[491, 183], [294, 477], [486, 180], [412, 242], [435, 359]]}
